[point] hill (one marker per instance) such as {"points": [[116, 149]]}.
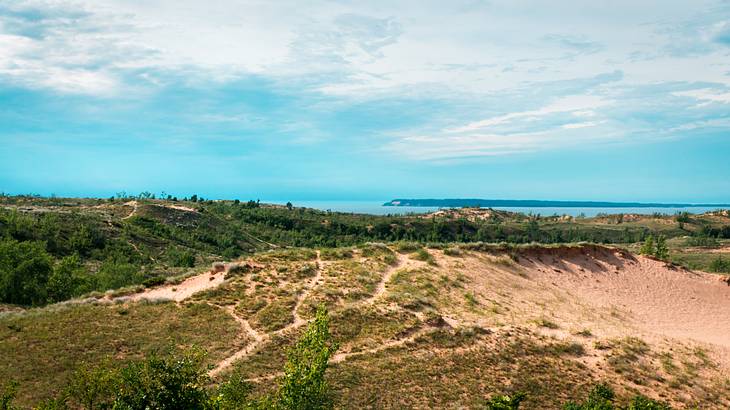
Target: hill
{"points": [[437, 326], [448, 322]]}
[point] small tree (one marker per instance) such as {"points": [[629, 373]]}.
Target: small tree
{"points": [[303, 386], [92, 386], [648, 247], [662, 250]]}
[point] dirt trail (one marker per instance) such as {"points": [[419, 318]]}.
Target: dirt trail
{"points": [[341, 357], [184, 289], [260, 339], [134, 205], [402, 262], [298, 320], [246, 328]]}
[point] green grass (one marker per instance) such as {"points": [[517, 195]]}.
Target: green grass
{"points": [[41, 348]]}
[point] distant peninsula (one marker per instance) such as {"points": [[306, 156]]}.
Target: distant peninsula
{"points": [[529, 203]]}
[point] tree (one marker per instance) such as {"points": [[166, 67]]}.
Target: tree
{"points": [[65, 279], [303, 385], [24, 271], [289, 206], [662, 250], [92, 387], [648, 247]]}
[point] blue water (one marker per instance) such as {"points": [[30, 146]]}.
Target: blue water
{"points": [[376, 208]]}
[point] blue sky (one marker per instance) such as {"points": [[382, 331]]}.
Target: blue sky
{"points": [[367, 100]]}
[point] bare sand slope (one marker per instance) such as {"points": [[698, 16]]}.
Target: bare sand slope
{"points": [[660, 298]]}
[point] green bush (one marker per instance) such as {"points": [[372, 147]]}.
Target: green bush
{"points": [[303, 385], [7, 394], [163, 383], [24, 271], [505, 402], [720, 265]]}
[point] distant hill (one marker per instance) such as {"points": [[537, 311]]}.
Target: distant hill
{"points": [[529, 203]]}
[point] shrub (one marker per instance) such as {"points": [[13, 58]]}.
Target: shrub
{"points": [[183, 259], [703, 241], [24, 271], [505, 402], [163, 383], [303, 385], [7, 394], [648, 248], [153, 281], [720, 265], [407, 247], [662, 250]]}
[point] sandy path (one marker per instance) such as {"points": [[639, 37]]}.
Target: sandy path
{"points": [[402, 262], [260, 339], [341, 357], [134, 206], [184, 289], [298, 320], [246, 328]]}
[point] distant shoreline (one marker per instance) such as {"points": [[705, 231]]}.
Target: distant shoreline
{"points": [[488, 203]]}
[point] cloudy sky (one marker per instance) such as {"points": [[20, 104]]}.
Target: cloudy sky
{"points": [[627, 100]]}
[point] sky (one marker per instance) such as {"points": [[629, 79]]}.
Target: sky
{"points": [[367, 100]]}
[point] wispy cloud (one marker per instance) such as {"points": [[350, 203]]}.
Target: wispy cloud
{"points": [[478, 79]]}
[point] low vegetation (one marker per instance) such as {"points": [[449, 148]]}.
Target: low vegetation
{"points": [[442, 309]]}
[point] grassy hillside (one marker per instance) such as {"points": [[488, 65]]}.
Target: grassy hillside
{"points": [[455, 325]]}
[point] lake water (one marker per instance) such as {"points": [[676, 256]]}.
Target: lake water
{"points": [[377, 208]]}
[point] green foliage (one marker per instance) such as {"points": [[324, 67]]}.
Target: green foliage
{"points": [[163, 383], [703, 241], [662, 250], [233, 394], [683, 217], [7, 394], [184, 259], [303, 385], [66, 280], [602, 397], [423, 255], [505, 402], [93, 386], [720, 265], [655, 247], [181, 381], [648, 247], [24, 271]]}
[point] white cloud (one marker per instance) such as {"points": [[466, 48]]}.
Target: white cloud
{"points": [[706, 94], [358, 49], [575, 103], [526, 73]]}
